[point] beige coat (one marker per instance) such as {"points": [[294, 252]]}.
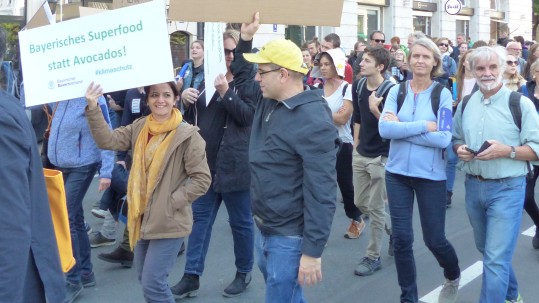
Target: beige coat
{"points": [[184, 176]]}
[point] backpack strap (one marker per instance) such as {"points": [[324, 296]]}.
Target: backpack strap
{"points": [[360, 85], [435, 98], [344, 89], [464, 102], [383, 88], [401, 95], [514, 106]]}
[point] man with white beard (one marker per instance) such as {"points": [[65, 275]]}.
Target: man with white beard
{"points": [[495, 134]]}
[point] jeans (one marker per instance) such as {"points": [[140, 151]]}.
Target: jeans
{"points": [[345, 180], [76, 182], [205, 208], [431, 204], [118, 188], [154, 260], [371, 196], [451, 167], [495, 209], [278, 259]]}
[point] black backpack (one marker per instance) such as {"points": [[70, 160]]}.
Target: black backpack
{"points": [[434, 96]]}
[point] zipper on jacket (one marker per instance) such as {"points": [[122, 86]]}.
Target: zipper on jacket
{"points": [[271, 112]]}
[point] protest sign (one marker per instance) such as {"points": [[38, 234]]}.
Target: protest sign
{"points": [[296, 12], [214, 57], [118, 49]]}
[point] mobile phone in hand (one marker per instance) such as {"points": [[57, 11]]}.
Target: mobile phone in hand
{"points": [[483, 147], [470, 150]]}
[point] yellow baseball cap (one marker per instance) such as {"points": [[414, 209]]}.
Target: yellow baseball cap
{"points": [[280, 52]]}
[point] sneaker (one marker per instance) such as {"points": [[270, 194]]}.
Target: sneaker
{"points": [[535, 241], [448, 197], [518, 300], [187, 287], [368, 266], [391, 248], [88, 280], [72, 292], [97, 240], [99, 213], [355, 229], [87, 227], [119, 255], [449, 291], [239, 285]]}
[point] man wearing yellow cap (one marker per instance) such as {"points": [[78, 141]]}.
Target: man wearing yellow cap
{"points": [[292, 154]]}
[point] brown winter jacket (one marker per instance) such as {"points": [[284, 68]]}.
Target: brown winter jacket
{"points": [[184, 176]]}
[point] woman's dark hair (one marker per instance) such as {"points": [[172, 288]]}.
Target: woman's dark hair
{"points": [[170, 83]]}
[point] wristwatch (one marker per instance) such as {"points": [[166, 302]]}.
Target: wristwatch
{"points": [[513, 153]]}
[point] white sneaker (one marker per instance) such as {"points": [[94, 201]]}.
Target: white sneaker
{"points": [[449, 291]]}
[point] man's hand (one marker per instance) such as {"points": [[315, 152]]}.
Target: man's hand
{"points": [[248, 30], [221, 85], [310, 270], [494, 151], [104, 183], [463, 154], [93, 92], [189, 96], [389, 116], [374, 104]]}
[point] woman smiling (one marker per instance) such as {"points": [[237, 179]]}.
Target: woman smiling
{"points": [[169, 172]]}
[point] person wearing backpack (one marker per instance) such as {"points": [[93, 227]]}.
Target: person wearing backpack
{"points": [[495, 135], [338, 95], [370, 153], [419, 127]]}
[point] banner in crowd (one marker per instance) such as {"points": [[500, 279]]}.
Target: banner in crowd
{"points": [[118, 49], [295, 12], [214, 56]]}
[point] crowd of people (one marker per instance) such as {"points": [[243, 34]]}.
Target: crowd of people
{"points": [[288, 132]]}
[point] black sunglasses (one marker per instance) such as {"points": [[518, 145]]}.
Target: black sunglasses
{"points": [[229, 51], [379, 40], [443, 44], [509, 62]]}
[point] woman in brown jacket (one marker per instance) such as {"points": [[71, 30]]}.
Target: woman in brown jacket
{"points": [[169, 172]]}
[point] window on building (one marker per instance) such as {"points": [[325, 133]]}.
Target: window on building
{"points": [[179, 47], [463, 27], [368, 20], [422, 24], [300, 34]]}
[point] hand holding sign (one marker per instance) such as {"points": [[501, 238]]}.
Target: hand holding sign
{"points": [[93, 92], [248, 30]]}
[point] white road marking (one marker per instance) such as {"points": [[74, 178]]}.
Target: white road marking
{"points": [[530, 232], [467, 276]]}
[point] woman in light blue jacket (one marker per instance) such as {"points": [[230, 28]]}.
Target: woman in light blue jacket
{"points": [[419, 130]]}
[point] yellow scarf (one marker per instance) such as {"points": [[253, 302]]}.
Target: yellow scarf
{"points": [[148, 158]]}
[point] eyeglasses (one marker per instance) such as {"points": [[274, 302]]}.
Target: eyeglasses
{"points": [[261, 72], [515, 49], [443, 44], [379, 40], [509, 62], [229, 51]]}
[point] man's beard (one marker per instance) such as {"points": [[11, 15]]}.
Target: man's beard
{"points": [[491, 86]]}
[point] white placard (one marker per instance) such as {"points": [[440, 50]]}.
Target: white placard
{"points": [[118, 49], [214, 56]]}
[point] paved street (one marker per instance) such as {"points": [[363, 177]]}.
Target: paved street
{"points": [[117, 284]]}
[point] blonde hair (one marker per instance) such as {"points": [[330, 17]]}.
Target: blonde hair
{"points": [[437, 70]]}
